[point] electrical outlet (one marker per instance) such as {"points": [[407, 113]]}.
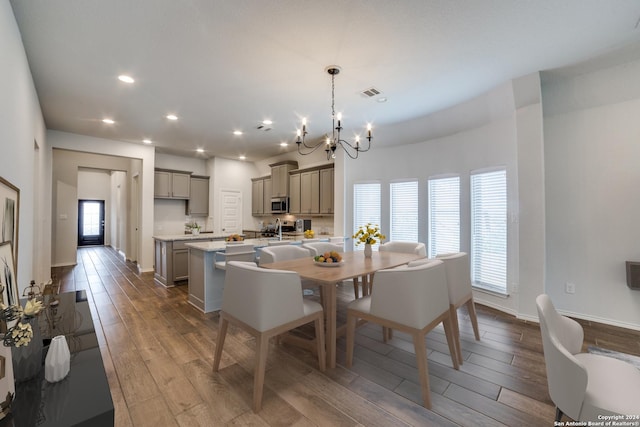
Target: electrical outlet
{"points": [[570, 288]]}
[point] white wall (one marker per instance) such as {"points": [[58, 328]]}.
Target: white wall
{"points": [[22, 164], [592, 154], [504, 122]]}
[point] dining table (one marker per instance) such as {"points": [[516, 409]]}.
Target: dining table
{"points": [[354, 265]]}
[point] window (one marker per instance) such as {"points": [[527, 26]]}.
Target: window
{"points": [[489, 230], [404, 211], [366, 207], [444, 215]]}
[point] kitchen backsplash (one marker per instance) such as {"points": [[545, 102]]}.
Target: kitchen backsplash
{"points": [[169, 218]]}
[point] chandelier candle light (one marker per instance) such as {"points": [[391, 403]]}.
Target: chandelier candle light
{"points": [[332, 141]]}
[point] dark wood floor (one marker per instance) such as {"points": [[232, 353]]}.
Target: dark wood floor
{"points": [[158, 353]]}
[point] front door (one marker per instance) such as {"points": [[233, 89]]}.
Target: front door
{"points": [[90, 222]]}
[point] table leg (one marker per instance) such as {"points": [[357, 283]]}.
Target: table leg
{"points": [[330, 313]]}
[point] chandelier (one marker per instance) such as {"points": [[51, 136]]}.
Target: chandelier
{"points": [[333, 140]]}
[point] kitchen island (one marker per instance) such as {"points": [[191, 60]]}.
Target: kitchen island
{"points": [[206, 282], [171, 256]]}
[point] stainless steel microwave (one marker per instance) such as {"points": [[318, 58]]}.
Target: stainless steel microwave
{"points": [[280, 205]]}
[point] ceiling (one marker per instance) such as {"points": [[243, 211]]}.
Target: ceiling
{"points": [[223, 65]]}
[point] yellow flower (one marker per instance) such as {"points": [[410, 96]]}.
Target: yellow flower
{"points": [[368, 234]]}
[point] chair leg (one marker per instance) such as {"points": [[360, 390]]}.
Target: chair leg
{"points": [[453, 342], [423, 370], [559, 414], [222, 334], [351, 332], [471, 308], [322, 357], [262, 348], [453, 314]]}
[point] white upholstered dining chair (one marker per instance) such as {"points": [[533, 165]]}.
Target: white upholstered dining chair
{"points": [[265, 303], [234, 252], [417, 248], [318, 248], [460, 292], [410, 299], [285, 253], [583, 386]]}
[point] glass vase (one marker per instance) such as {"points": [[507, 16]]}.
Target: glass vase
{"points": [[27, 359]]}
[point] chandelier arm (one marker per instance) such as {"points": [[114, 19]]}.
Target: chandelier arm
{"points": [[312, 148]]}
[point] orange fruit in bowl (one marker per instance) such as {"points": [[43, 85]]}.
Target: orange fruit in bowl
{"points": [[329, 260]]}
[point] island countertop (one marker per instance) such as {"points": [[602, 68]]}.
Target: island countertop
{"points": [[221, 245], [201, 236]]}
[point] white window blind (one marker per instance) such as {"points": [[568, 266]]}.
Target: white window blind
{"points": [[366, 207], [489, 230], [404, 211], [444, 215]]}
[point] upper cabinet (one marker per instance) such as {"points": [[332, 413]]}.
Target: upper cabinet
{"points": [[326, 191], [199, 196], [172, 184], [261, 196], [311, 191], [280, 177], [294, 193]]}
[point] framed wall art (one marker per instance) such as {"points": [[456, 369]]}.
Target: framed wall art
{"points": [[8, 275], [9, 216]]}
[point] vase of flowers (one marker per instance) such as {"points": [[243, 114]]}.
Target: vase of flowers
{"points": [[369, 235], [194, 227], [25, 338]]}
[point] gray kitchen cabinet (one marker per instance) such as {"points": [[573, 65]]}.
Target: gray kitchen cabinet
{"points": [[280, 177], [171, 184], [266, 199], [257, 196], [198, 196], [310, 192], [171, 260], [180, 264], [294, 193], [326, 191]]}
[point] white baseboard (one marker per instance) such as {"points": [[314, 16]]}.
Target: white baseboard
{"points": [[602, 320], [64, 264]]}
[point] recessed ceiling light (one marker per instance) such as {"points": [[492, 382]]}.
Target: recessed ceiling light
{"points": [[172, 117], [267, 122], [108, 121], [283, 144], [147, 141], [200, 150], [126, 79], [242, 157], [382, 99], [237, 132]]}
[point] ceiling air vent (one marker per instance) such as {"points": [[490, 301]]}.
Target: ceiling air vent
{"points": [[370, 93], [263, 127]]}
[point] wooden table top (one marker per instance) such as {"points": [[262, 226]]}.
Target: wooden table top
{"points": [[354, 265]]}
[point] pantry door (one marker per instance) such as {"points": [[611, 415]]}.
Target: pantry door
{"points": [[231, 211]]}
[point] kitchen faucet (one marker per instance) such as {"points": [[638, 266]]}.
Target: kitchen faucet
{"points": [[279, 226]]}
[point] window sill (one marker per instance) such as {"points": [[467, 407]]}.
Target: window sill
{"points": [[490, 291]]}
